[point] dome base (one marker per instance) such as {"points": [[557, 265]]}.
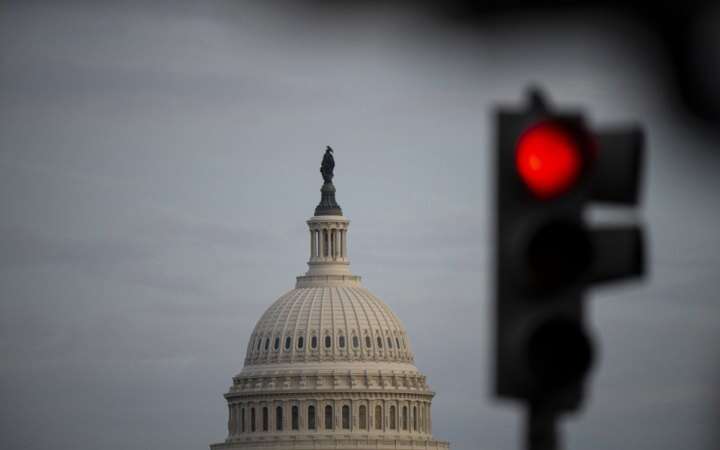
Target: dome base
{"points": [[331, 441]]}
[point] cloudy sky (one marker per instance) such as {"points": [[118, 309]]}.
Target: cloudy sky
{"points": [[158, 161]]}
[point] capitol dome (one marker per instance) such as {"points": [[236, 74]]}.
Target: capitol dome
{"points": [[329, 365], [329, 324]]}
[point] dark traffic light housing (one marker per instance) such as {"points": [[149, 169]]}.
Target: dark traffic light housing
{"points": [[550, 166]]}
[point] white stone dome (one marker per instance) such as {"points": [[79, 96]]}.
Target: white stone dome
{"points": [[329, 324], [329, 365]]}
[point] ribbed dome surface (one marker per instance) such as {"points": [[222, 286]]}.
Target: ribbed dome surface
{"points": [[328, 323]]}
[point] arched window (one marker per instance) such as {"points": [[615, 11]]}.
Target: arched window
{"points": [[267, 343], [379, 341], [342, 341], [328, 342], [279, 418], [346, 417], [414, 418], [265, 419], [242, 420], [313, 342], [277, 343], [397, 342], [288, 343], [252, 419], [356, 342], [389, 342], [378, 417], [404, 418], [363, 417], [328, 418], [259, 342], [393, 422], [368, 342], [311, 417], [301, 342], [295, 418]]}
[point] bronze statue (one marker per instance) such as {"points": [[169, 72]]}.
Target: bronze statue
{"points": [[328, 206], [328, 165]]}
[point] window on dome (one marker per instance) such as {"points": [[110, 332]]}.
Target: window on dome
{"points": [[252, 419], [368, 342], [404, 418], [259, 342], [342, 341], [393, 422], [356, 342], [277, 343], [265, 418], [378, 417], [295, 418], [346, 417], [328, 342], [301, 342], [288, 343], [279, 418], [363, 417], [328, 417], [313, 342], [267, 343], [389, 342], [311, 417], [397, 343], [379, 341]]}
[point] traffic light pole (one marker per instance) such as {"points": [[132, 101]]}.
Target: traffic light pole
{"points": [[541, 432]]}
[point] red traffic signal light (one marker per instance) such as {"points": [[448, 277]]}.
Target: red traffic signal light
{"points": [[551, 165], [550, 158]]}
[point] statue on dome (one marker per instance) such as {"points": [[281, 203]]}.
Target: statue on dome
{"points": [[328, 165]]}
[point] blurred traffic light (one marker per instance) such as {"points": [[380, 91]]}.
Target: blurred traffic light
{"points": [[550, 167]]}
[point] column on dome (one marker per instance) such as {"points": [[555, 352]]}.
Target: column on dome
{"points": [[336, 243], [243, 418], [326, 242], [239, 418], [429, 424], [302, 410], [340, 251], [321, 247], [313, 243], [343, 244], [415, 417], [330, 243]]}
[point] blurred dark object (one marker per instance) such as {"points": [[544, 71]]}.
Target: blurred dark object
{"points": [[689, 31], [550, 167]]}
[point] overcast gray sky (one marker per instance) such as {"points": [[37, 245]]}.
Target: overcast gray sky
{"points": [[158, 161]]}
